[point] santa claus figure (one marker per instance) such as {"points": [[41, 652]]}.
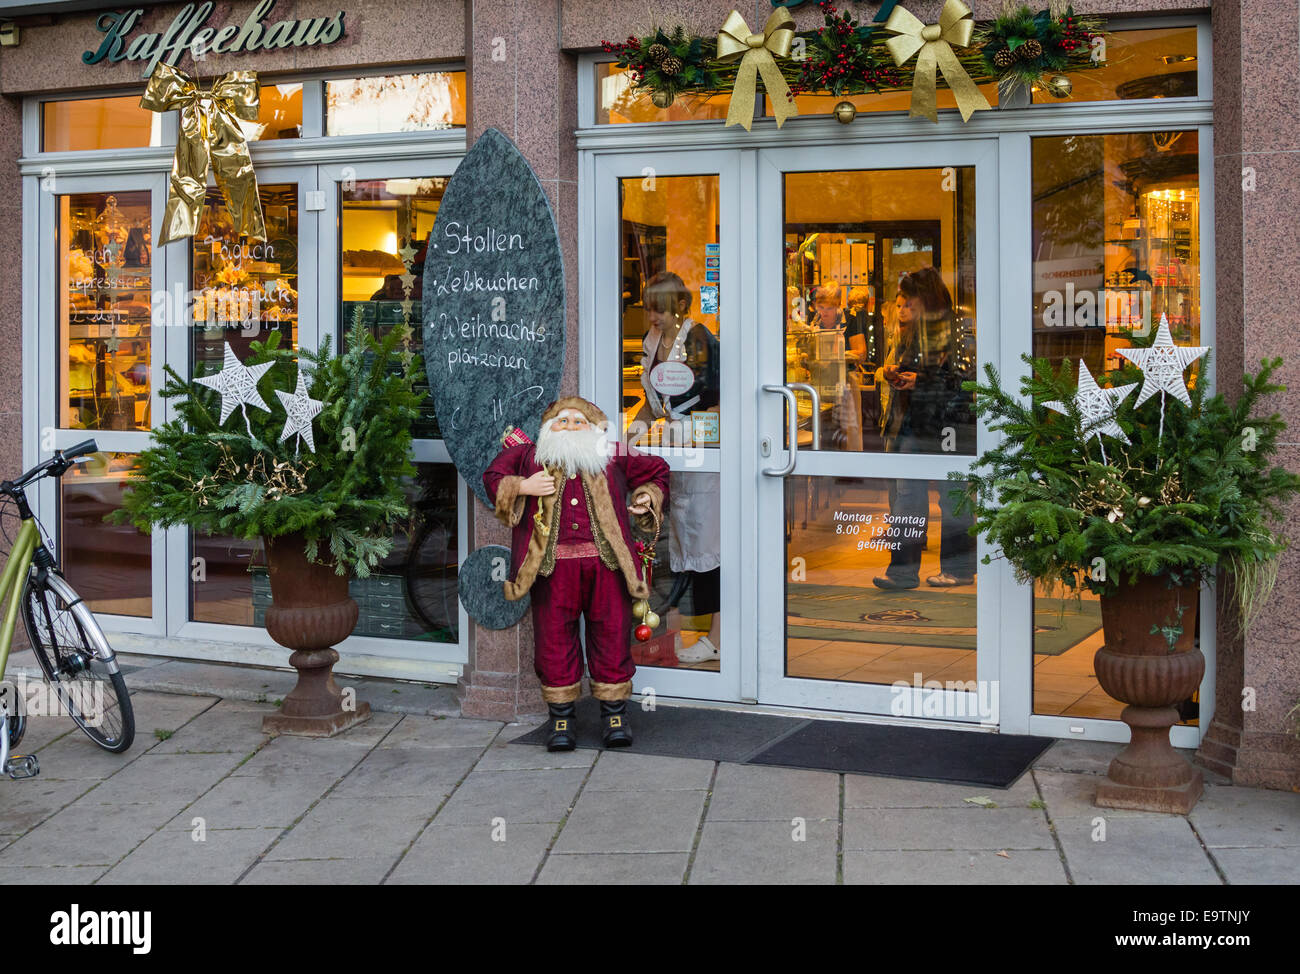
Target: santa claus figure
{"points": [[567, 500]]}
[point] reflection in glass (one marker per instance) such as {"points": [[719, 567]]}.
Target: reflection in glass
{"points": [[671, 269], [110, 565], [882, 581], [1116, 235], [887, 366], [412, 594], [104, 294], [395, 103], [884, 101], [98, 123], [617, 103], [1157, 62], [384, 227], [279, 114]]}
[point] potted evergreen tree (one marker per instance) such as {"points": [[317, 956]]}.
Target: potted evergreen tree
{"points": [[309, 452], [1140, 491]]}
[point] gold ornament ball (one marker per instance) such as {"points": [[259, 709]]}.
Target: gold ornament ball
{"points": [[845, 112], [640, 608], [652, 620], [1058, 85], [662, 99]]}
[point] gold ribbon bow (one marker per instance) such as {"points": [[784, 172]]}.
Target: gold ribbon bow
{"points": [[209, 135], [935, 42], [758, 53]]}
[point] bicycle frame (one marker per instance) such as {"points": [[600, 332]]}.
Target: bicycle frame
{"points": [[11, 585]]}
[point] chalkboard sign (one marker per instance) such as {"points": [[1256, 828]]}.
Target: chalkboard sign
{"points": [[493, 305]]}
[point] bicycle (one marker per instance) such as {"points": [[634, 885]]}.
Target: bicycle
{"points": [[68, 643]]}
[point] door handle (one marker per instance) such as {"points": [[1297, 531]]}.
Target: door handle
{"points": [[816, 411], [793, 430]]}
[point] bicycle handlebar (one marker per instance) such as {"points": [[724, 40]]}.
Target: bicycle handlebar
{"points": [[58, 464]]}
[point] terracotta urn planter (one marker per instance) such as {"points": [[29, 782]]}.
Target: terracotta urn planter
{"points": [[310, 611], [1137, 668]]}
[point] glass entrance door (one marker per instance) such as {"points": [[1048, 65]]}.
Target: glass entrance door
{"points": [[665, 332], [876, 286]]}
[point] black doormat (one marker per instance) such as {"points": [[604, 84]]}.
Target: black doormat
{"points": [[923, 753]]}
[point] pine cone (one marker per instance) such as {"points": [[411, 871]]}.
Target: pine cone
{"points": [[657, 53], [1030, 50], [1003, 59], [670, 65]]}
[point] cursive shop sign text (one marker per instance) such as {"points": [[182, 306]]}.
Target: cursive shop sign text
{"points": [[188, 33]]}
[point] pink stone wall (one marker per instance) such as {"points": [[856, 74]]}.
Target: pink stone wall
{"points": [[1257, 193]]}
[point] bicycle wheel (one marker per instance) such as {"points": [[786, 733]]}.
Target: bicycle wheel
{"points": [[431, 575], [69, 644]]}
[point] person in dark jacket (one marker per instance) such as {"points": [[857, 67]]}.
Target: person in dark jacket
{"points": [[925, 410]]}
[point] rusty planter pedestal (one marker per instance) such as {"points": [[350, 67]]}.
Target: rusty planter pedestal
{"points": [[310, 611], [1136, 667]]}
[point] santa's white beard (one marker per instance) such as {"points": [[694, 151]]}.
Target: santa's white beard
{"points": [[572, 451]]}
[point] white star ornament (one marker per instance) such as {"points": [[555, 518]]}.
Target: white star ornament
{"points": [[1163, 364], [237, 384], [300, 409], [1096, 405]]}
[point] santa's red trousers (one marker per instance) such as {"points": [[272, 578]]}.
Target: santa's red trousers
{"points": [[582, 587]]}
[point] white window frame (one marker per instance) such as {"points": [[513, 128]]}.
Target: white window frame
{"points": [[311, 160], [1014, 129]]}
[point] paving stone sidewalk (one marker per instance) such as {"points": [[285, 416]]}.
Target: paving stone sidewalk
{"points": [[413, 796]]}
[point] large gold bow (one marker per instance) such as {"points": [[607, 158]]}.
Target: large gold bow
{"points": [[935, 42], [209, 135], [758, 53]]}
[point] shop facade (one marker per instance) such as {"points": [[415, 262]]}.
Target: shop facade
{"points": [[788, 244]]}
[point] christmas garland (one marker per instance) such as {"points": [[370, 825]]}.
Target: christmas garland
{"points": [[846, 57]]}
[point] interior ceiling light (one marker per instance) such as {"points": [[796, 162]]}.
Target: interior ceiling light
{"points": [[1178, 58]]}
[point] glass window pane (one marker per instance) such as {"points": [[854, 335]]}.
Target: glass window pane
{"points": [[98, 123], [110, 565], [670, 260], [880, 308], [384, 227], [395, 103], [1160, 62], [104, 294], [686, 581], [617, 104], [411, 595], [245, 290], [887, 587], [1116, 244], [279, 114]]}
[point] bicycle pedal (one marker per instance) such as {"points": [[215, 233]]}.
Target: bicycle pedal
{"points": [[22, 766]]}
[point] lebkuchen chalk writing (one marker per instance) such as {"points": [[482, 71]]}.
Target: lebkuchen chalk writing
{"points": [[187, 33]]}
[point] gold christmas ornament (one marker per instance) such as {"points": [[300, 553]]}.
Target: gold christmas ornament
{"points": [[661, 99], [1058, 85], [640, 608], [652, 620], [845, 112]]}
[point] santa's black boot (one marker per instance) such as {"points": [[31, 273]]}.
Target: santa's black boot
{"points": [[562, 737], [613, 718]]}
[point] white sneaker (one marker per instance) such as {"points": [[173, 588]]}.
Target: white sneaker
{"points": [[698, 652]]}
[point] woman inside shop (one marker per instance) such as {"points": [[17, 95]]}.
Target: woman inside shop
{"points": [[694, 516], [923, 406]]}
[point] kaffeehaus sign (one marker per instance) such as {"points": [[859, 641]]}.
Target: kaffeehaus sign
{"points": [[189, 33]]}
